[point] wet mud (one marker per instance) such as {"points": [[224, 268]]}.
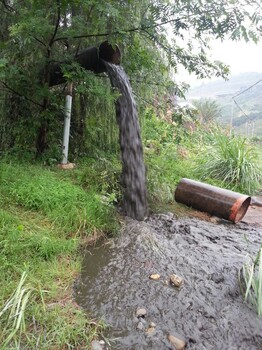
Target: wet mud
{"points": [[207, 311]]}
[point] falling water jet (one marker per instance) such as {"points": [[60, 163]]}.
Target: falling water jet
{"points": [[133, 168]]}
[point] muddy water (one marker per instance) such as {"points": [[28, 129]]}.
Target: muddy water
{"points": [[133, 168], [208, 311]]}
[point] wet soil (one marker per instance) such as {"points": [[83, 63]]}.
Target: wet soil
{"points": [[254, 213], [207, 311]]}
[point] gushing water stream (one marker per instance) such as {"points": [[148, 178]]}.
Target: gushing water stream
{"points": [[133, 168]]}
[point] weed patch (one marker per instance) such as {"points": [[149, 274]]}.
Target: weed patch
{"points": [[65, 204]]}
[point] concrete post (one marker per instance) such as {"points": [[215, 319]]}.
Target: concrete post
{"points": [[67, 120]]}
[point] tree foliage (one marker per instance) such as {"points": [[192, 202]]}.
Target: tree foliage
{"points": [[208, 110], [155, 37]]}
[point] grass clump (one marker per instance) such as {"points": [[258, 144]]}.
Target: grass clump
{"points": [[12, 315], [67, 205], [252, 281], [232, 160], [27, 322]]}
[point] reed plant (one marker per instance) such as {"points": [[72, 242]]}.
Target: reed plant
{"points": [[232, 160], [251, 281], [64, 203], [12, 315]]}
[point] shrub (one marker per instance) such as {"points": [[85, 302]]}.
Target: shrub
{"points": [[232, 160]]}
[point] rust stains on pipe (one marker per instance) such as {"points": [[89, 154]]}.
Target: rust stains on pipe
{"points": [[89, 59], [217, 201]]}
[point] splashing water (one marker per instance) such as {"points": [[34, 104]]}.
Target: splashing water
{"points": [[133, 168]]}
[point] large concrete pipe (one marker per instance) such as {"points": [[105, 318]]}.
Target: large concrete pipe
{"points": [[217, 201], [90, 59]]}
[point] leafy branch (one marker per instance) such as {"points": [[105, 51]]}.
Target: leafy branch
{"points": [[118, 32], [21, 95]]}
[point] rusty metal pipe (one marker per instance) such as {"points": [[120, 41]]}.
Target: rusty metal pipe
{"points": [[217, 201], [90, 59]]}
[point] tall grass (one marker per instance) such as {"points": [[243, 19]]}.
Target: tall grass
{"points": [[66, 205], [232, 160], [12, 315], [27, 322], [252, 281], [167, 159]]}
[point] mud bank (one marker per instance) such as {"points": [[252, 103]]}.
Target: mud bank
{"points": [[207, 312]]}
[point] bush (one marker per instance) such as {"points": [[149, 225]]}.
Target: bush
{"points": [[232, 160]]}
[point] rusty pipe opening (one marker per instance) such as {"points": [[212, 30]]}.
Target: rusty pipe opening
{"points": [[89, 59], [217, 201]]}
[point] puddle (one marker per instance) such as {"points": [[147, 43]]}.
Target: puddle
{"points": [[208, 311]]}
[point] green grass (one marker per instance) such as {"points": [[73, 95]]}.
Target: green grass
{"points": [[252, 282], [45, 215], [233, 161], [167, 157], [65, 204], [39, 309]]}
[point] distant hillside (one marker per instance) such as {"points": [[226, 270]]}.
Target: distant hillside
{"points": [[246, 108], [235, 84]]}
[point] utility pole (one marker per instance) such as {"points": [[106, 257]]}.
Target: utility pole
{"points": [[231, 118], [232, 108], [67, 121], [253, 128]]}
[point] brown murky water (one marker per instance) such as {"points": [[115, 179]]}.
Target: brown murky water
{"points": [[208, 311]]}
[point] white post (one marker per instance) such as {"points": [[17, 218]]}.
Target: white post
{"points": [[67, 119]]}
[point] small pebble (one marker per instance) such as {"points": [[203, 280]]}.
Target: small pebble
{"points": [[141, 312], [141, 319], [140, 326], [177, 344], [95, 345], [176, 281], [150, 330], [154, 277]]}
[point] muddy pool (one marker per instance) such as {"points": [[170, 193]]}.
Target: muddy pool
{"points": [[207, 311]]}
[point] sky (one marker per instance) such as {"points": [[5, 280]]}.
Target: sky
{"points": [[240, 56]]}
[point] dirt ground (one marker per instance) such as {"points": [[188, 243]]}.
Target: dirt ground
{"points": [[254, 214], [207, 311]]}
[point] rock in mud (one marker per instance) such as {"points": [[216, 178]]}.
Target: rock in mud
{"points": [[150, 330], [98, 345], [152, 325], [176, 281], [177, 344], [141, 313], [155, 277], [140, 326]]}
